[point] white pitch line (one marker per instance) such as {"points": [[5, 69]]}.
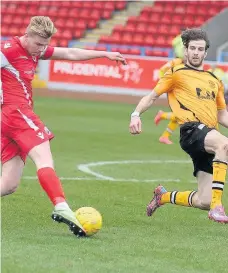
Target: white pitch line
{"points": [[100, 179], [62, 178], [86, 167]]}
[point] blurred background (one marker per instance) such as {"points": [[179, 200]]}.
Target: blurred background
{"points": [[148, 32]]}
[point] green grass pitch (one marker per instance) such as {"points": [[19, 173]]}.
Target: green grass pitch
{"points": [[175, 240]]}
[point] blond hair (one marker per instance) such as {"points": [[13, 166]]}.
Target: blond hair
{"points": [[42, 26]]}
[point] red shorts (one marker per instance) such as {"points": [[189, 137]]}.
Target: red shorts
{"points": [[21, 130]]}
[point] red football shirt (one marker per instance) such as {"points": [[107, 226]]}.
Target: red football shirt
{"points": [[17, 72]]}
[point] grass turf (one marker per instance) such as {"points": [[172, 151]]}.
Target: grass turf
{"points": [[176, 239]]}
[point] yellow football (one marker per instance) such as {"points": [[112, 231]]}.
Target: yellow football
{"points": [[90, 219]]}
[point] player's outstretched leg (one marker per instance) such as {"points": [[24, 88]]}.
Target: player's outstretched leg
{"points": [[162, 196], [156, 200], [217, 211], [217, 143], [51, 184]]}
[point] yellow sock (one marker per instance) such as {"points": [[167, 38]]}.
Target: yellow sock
{"points": [[168, 116], [172, 126], [219, 176], [178, 198]]}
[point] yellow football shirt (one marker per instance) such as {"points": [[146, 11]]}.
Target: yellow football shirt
{"points": [[194, 95]]}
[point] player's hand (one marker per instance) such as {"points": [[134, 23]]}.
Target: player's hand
{"points": [[116, 56], [135, 126]]}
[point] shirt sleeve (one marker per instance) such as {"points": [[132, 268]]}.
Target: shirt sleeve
{"points": [[220, 100], [4, 61], [165, 84], [48, 52], [164, 69]]}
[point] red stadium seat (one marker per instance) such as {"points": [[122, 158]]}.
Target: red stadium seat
{"points": [[130, 30], [101, 48], [138, 39], [118, 29], [67, 35], [54, 42], [5, 30], [199, 20], [120, 5], [166, 19], [105, 39], [177, 19], [155, 18], [163, 29], [141, 28], [144, 19], [106, 14], [168, 9], [174, 30], [152, 29], [126, 39], [92, 24], [149, 41], [63, 13], [18, 20], [180, 9], [7, 19], [109, 6], [161, 41], [188, 21], [63, 43], [133, 20], [124, 50], [80, 25], [156, 24], [149, 52], [134, 51], [78, 33], [191, 10], [158, 7]]}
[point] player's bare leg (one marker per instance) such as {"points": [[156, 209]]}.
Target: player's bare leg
{"points": [[11, 175], [216, 143], [42, 157]]}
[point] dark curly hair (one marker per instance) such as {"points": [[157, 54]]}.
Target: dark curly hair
{"points": [[194, 34]]}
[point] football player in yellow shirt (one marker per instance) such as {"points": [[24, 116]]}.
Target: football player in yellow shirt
{"points": [[196, 98]]}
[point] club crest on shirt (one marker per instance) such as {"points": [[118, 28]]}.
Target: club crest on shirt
{"points": [[212, 84]]}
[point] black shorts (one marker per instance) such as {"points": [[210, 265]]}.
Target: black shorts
{"points": [[192, 136]]}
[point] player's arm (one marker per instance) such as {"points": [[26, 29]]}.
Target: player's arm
{"points": [[221, 106], [223, 117], [163, 86], [77, 54]]}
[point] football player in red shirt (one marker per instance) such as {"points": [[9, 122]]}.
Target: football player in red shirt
{"points": [[23, 133]]}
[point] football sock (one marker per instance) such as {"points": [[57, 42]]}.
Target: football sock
{"points": [[170, 128], [178, 198], [51, 185], [168, 116], [62, 205], [219, 176]]}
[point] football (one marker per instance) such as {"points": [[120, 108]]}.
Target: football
{"points": [[90, 219]]}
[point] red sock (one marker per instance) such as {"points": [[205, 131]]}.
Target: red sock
{"points": [[51, 185]]}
